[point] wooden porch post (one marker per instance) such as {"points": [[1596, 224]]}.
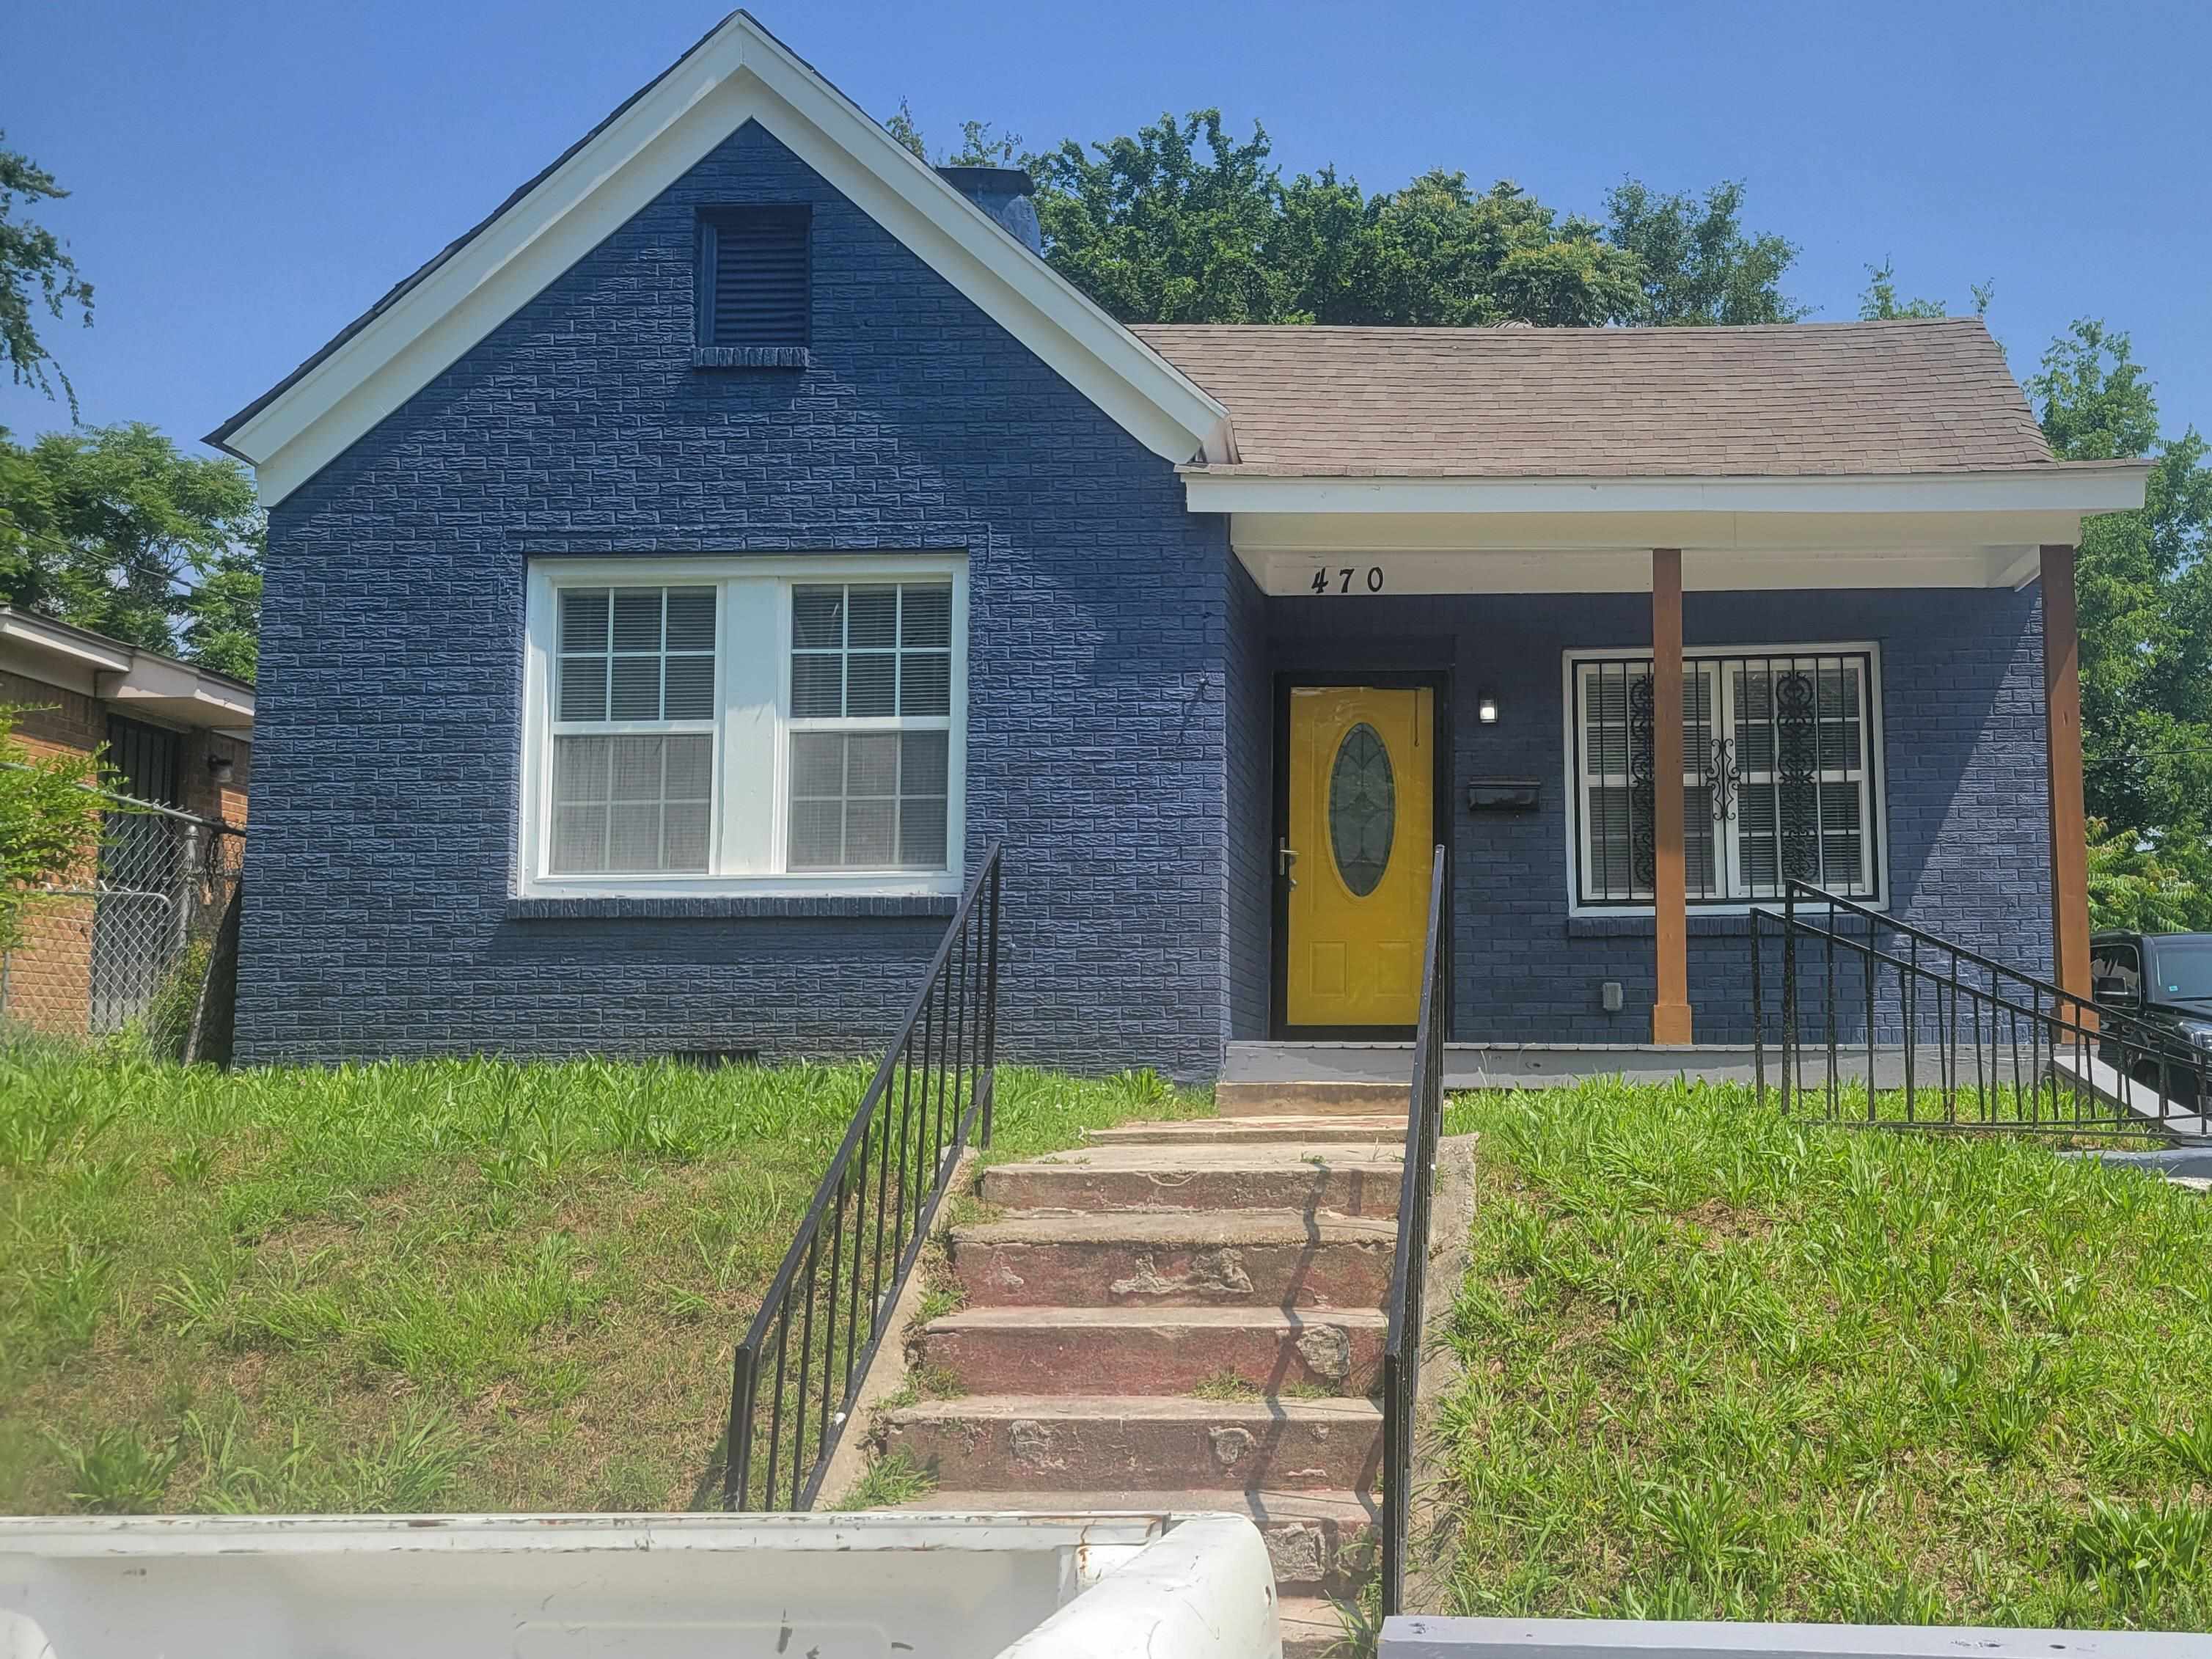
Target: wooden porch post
{"points": [[2062, 704], [1670, 1012]]}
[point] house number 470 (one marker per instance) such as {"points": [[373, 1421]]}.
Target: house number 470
{"points": [[1339, 581]]}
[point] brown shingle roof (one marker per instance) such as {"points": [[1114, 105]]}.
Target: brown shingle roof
{"points": [[1924, 395]]}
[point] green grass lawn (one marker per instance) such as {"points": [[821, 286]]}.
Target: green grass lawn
{"points": [[1720, 1365], [459, 1285]]}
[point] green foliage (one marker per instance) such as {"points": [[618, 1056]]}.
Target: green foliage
{"points": [[1719, 1363], [36, 271], [1185, 222], [2145, 592], [49, 821], [2133, 885], [105, 528]]}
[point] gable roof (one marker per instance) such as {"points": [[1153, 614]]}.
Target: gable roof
{"points": [[739, 72], [1919, 396]]}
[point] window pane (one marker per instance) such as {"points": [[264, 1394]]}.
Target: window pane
{"points": [[925, 615], [926, 683], [583, 688], [922, 762], [580, 768], [817, 687], [684, 827], [922, 835], [690, 768], [637, 619], [871, 684], [583, 619], [818, 763], [690, 688], [579, 838], [870, 826], [871, 617], [636, 689], [817, 617], [872, 765], [817, 834], [634, 837], [690, 619]]}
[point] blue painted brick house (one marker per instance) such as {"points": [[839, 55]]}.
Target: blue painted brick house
{"points": [[676, 586]]}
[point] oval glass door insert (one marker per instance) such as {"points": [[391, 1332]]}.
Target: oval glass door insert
{"points": [[1363, 808]]}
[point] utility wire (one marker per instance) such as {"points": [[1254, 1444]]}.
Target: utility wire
{"points": [[61, 546]]}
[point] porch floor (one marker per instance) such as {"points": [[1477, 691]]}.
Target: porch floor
{"points": [[1489, 1064]]}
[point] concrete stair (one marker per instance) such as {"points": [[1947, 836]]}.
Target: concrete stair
{"points": [[1181, 1316], [1301, 1174], [1158, 1350]]}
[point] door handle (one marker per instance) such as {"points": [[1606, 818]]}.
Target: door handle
{"points": [[1286, 856]]}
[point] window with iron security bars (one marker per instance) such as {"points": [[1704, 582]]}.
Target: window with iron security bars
{"points": [[1781, 782], [754, 282]]}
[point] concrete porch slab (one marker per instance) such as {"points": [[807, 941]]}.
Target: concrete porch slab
{"points": [[1489, 1064]]}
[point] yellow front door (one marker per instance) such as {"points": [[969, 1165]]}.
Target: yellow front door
{"points": [[1362, 826]]}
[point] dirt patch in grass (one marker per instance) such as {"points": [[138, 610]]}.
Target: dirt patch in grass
{"points": [[1722, 1365], [455, 1284]]}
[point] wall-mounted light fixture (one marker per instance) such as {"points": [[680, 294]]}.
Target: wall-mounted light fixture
{"points": [[221, 769], [1486, 707]]}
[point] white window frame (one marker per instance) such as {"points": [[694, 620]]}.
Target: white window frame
{"points": [[749, 831], [1576, 816]]}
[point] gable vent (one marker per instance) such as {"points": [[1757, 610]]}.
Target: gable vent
{"points": [[754, 271]]}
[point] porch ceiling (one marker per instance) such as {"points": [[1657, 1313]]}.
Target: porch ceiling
{"points": [[1591, 536]]}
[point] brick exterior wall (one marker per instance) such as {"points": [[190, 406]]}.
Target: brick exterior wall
{"points": [[379, 913], [45, 982], [1967, 841]]}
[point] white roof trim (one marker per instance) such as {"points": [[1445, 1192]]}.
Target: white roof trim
{"points": [[2108, 487], [60, 653], [739, 73]]}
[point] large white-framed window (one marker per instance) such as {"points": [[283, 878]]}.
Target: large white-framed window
{"points": [[759, 725], [1781, 774]]}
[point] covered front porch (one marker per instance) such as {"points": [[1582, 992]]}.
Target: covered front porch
{"points": [[1865, 682]]}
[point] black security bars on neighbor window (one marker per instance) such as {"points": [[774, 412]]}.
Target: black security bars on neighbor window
{"points": [[1402, 1350], [798, 1372], [1858, 1018]]}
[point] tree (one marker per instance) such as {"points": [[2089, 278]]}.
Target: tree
{"points": [[49, 822], [2144, 585], [114, 529], [1696, 265], [1185, 222], [1878, 301], [35, 270]]}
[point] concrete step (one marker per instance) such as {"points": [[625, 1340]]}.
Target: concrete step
{"points": [[1340, 1097], [1176, 1259], [1303, 1175], [1310, 1626], [1381, 1130], [1317, 1540], [1155, 1349], [1019, 1442]]}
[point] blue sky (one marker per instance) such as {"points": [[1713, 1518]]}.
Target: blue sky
{"points": [[247, 177]]}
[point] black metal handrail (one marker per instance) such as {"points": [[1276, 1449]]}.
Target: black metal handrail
{"points": [[790, 1400], [1402, 1350], [1943, 1036]]}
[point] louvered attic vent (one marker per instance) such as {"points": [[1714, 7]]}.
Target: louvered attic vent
{"points": [[752, 288]]}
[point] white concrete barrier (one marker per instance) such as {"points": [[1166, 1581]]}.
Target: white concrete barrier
{"points": [[890, 1586]]}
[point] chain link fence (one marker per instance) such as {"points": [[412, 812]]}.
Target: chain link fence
{"points": [[142, 937]]}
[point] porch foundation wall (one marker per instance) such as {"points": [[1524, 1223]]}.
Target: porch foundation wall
{"points": [[1967, 834]]}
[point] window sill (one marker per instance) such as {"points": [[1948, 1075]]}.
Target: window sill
{"points": [[751, 358], [732, 907]]}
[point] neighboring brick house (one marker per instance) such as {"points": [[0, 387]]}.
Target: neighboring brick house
{"points": [[168, 732], [677, 584]]}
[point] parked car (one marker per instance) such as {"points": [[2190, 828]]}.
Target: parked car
{"points": [[2160, 985]]}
